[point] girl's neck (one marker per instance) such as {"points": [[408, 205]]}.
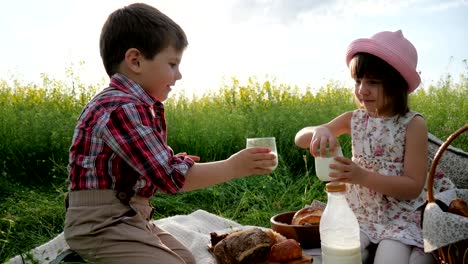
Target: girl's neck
{"points": [[377, 114]]}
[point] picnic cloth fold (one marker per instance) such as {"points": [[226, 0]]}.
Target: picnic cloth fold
{"points": [[193, 230]]}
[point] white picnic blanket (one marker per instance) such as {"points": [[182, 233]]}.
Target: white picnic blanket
{"points": [[193, 230]]}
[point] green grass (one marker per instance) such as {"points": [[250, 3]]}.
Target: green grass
{"points": [[29, 216], [37, 125]]}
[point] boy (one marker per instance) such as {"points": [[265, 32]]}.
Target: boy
{"points": [[119, 156]]}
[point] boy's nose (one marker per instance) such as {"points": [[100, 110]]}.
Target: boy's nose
{"points": [[178, 75]]}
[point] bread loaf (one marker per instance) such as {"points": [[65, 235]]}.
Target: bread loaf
{"points": [[255, 246], [275, 236], [215, 238], [243, 247], [307, 215]]}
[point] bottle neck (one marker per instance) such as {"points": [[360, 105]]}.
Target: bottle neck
{"points": [[336, 195]]}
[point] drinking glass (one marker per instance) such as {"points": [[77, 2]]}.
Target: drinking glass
{"points": [[267, 142], [322, 164]]}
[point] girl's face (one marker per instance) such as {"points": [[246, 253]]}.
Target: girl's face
{"points": [[370, 94]]}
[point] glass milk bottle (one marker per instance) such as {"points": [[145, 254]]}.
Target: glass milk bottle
{"points": [[339, 229]]}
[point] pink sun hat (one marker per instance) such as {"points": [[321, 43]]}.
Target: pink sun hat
{"points": [[393, 48]]}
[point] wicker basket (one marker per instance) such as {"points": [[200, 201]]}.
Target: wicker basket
{"points": [[456, 252]]}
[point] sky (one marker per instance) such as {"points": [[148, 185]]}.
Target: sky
{"points": [[295, 42]]}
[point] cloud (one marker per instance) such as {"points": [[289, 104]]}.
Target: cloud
{"points": [[445, 5], [283, 11], [287, 12]]}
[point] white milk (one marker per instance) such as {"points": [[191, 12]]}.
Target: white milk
{"points": [[322, 164], [339, 255], [267, 142]]}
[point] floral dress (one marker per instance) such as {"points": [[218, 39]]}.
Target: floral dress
{"points": [[379, 144]]}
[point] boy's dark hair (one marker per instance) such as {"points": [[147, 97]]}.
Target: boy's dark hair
{"points": [[139, 26], [394, 85]]}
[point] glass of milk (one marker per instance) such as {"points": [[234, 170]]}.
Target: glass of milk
{"points": [[266, 142], [322, 164]]}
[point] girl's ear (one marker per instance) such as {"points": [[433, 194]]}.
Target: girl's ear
{"points": [[132, 60]]}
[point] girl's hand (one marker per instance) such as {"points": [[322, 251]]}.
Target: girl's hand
{"points": [[251, 161], [321, 140], [350, 172]]}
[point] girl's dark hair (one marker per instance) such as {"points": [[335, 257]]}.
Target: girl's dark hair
{"points": [[394, 85], [139, 26]]}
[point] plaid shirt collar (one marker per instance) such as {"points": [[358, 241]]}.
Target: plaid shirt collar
{"points": [[121, 82]]}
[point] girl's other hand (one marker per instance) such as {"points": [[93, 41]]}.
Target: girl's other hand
{"points": [[350, 172]]}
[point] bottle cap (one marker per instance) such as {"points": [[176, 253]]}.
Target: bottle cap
{"points": [[335, 187]]}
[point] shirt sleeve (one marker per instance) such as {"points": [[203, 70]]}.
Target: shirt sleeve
{"points": [[131, 133]]}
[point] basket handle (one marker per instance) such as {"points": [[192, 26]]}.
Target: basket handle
{"points": [[438, 155]]}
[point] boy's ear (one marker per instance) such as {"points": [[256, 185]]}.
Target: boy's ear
{"points": [[132, 59]]}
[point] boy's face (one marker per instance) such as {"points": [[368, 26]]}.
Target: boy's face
{"points": [[159, 74]]}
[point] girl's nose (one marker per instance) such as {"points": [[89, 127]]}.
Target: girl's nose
{"points": [[363, 89]]}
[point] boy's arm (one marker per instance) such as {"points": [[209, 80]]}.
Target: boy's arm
{"points": [[146, 152], [251, 161], [130, 134]]}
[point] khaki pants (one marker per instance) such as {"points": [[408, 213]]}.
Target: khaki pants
{"points": [[103, 230]]}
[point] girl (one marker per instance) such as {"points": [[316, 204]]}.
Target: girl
{"points": [[387, 172]]}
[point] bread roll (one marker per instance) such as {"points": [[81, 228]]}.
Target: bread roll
{"points": [[458, 206], [285, 250], [307, 215]]}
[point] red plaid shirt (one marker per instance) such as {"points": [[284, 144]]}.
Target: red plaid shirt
{"points": [[120, 138]]}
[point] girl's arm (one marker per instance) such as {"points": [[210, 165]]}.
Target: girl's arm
{"points": [[409, 185], [320, 136]]}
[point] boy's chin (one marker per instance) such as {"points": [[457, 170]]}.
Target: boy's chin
{"points": [[161, 97]]}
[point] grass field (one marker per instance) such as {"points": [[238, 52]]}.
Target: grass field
{"points": [[37, 123]]}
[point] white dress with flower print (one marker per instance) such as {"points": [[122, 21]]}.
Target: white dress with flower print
{"points": [[379, 144]]}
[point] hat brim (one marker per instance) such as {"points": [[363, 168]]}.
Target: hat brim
{"points": [[385, 53]]}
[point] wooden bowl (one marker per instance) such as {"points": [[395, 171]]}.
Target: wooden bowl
{"points": [[307, 235]]}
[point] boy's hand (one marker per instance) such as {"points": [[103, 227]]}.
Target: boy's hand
{"points": [[251, 161], [184, 154]]}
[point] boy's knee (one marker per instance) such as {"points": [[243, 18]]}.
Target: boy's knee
{"points": [[188, 258]]}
